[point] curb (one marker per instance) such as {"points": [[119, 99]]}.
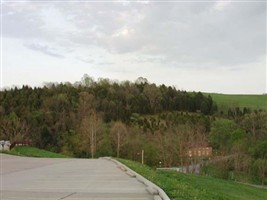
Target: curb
{"points": [[151, 188]]}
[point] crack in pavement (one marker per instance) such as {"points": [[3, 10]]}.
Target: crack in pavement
{"points": [[68, 195]]}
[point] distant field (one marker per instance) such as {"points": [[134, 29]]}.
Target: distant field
{"points": [[33, 152], [188, 186], [225, 101]]}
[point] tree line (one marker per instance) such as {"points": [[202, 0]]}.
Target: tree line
{"points": [[81, 118]]}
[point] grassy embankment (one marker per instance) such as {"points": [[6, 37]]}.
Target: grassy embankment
{"points": [[225, 101], [33, 152], [188, 186]]}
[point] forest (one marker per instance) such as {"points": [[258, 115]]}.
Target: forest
{"points": [[94, 118]]}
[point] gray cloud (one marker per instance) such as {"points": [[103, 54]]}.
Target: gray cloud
{"points": [[208, 33], [168, 35], [85, 60], [22, 20], [44, 49], [196, 33]]}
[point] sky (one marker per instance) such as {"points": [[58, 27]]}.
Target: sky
{"points": [[208, 46]]}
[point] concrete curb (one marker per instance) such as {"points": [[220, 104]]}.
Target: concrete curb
{"points": [[153, 189]]}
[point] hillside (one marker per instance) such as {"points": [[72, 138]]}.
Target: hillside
{"points": [[225, 101], [33, 152], [188, 186]]}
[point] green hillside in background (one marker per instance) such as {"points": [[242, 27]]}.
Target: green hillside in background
{"points": [[225, 101]]}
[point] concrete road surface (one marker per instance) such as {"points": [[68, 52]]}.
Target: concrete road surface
{"points": [[71, 179]]}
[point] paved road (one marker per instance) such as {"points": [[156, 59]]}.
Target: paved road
{"points": [[70, 179]]}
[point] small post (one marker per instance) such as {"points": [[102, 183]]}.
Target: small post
{"points": [[142, 156]]}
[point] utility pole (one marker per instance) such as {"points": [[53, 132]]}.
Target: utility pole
{"points": [[92, 142]]}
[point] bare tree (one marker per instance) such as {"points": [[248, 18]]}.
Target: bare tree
{"points": [[90, 129], [119, 132]]}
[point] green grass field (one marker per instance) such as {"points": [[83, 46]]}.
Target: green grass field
{"points": [[33, 152], [225, 101], [188, 186]]}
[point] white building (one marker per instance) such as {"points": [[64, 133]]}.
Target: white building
{"points": [[4, 145]]}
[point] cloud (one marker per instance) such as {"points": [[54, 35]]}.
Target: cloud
{"points": [[106, 63], [44, 49], [143, 36], [21, 20], [208, 33], [85, 60]]}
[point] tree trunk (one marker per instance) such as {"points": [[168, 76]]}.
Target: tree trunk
{"points": [[92, 143]]}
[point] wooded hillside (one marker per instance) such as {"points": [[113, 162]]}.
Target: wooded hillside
{"points": [[109, 118]]}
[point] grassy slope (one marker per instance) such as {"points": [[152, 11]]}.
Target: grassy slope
{"points": [[187, 186], [33, 152], [225, 101]]}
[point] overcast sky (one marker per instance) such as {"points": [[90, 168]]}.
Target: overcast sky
{"points": [[196, 46]]}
